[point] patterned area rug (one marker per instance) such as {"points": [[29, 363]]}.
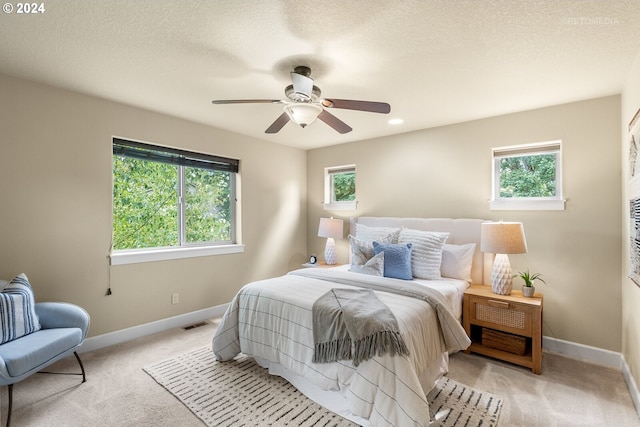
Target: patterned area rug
{"points": [[242, 393], [454, 404]]}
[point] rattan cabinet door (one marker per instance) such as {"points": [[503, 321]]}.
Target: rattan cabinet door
{"points": [[502, 315]]}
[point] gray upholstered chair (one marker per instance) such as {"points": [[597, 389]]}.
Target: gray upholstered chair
{"points": [[63, 328]]}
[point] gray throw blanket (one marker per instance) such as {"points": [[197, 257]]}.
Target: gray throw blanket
{"points": [[455, 337], [343, 318]]}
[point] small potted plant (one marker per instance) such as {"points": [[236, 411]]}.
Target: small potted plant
{"points": [[528, 289]]}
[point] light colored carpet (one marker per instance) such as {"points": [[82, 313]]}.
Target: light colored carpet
{"points": [[119, 393], [569, 393], [241, 393]]}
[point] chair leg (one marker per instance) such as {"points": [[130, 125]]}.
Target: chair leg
{"points": [[10, 386], [84, 378], [10, 405]]}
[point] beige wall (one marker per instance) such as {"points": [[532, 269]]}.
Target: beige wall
{"points": [[55, 190], [630, 292], [55, 193], [446, 172]]}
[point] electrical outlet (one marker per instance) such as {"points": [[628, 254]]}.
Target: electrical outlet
{"points": [[175, 298]]}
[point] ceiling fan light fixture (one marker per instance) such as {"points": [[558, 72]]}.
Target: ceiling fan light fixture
{"points": [[303, 113]]}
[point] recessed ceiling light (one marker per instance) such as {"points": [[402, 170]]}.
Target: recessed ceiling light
{"points": [[396, 121]]}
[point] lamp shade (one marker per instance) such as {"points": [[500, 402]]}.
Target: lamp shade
{"points": [[303, 113], [503, 238], [330, 228]]}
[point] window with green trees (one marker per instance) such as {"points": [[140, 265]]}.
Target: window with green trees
{"points": [[528, 173], [528, 176], [344, 186], [340, 187], [165, 197]]}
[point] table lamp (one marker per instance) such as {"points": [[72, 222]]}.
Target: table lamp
{"points": [[331, 229], [502, 238]]}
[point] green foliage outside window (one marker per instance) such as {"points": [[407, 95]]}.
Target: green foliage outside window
{"points": [[146, 204], [344, 186], [528, 176], [207, 205]]}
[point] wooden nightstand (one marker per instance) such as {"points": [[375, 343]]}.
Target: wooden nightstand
{"points": [[506, 327]]}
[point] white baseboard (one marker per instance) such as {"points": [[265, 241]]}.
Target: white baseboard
{"points": [[124, 335], [631, 384], [583, 352], [596, 356]]}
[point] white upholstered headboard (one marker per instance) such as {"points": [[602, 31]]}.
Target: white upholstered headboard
{"points": [[462, 230]]}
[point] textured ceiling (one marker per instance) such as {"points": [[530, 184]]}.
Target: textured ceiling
{"points": [[435, 62]]}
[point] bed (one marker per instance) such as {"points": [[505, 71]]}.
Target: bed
{"points": [[273, 320]]}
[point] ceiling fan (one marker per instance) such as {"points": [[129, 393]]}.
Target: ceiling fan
{"points": [[304, 104]]}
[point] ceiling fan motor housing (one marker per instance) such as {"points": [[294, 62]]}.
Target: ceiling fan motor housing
{"points": [[302, 70]]}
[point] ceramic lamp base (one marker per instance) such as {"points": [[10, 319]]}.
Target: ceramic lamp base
{"points": [[330, 252], [501, 278]]}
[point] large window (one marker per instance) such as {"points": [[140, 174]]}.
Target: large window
{"points": [[340, 187], [527, 177], [170, 199]]}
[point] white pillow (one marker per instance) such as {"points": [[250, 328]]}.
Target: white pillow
{"points": [[426, 255], [371, 234], [362, 251], [373, 267], [457, 261]]}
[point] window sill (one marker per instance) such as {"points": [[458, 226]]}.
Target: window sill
{"points": [[164, 254], [527, 205], [340, 206]]}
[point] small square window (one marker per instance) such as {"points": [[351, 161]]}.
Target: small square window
{"points": [[527, 177], [340, 188]]}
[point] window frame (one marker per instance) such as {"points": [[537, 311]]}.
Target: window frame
{"points": [[329, 194], [556, 202], [183, 249]]}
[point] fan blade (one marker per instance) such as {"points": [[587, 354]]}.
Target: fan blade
{"points": [[247, 101], [350, 104], [302, 85], [278, 124], [334, 122]]}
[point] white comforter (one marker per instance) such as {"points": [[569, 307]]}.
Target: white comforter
{"points": [[271, 320]]}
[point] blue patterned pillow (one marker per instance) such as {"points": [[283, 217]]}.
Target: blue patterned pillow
{"points": [[17, 310], [397, 259]]}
